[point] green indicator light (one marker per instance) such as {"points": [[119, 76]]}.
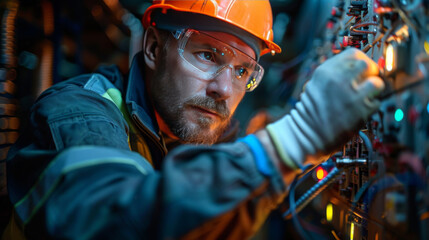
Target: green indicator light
{"points": [[399, 115]]}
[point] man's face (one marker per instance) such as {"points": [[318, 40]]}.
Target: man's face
{"points": [[195, 108]]}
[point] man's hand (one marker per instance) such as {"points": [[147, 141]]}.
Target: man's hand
{"points": [[334, 104]]}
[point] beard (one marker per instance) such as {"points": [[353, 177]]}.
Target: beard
{"points": [[201, 131], [172, 108]]}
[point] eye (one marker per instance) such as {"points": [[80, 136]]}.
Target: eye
{"points": [[206, 56], [240, 72]]}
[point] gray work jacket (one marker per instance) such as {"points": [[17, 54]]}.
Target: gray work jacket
{"points": [[92, 165]]}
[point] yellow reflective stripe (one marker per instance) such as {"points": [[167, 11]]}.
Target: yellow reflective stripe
{"points": [[284, 156], [100, 161], [114, 95]]}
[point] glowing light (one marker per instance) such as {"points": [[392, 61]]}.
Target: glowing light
{"points": [[427, 108], [381, 63], [426, 46], [390, 57], [329, 212], [352, 231], [399, 115], [320, 173]]}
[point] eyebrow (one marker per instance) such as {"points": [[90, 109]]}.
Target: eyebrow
{"points": [[211, 44], [247, 65]]}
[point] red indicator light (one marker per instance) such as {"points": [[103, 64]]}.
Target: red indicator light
{"points": [[381, 63]]}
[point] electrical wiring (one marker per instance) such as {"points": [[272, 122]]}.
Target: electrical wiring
{"points": [[377, 39], [296, 206], [313, 191], [363, 24], [365, 187], [316, 189], [361, 192], [380, 172], [368, 144], [294, 214]]}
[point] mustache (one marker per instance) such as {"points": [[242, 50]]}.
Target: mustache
{"points": [[219, 107]]}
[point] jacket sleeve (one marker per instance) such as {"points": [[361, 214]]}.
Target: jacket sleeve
{"points": [[91, 186]]}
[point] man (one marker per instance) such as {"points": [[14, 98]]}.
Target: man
{"points": [[73, 176]]}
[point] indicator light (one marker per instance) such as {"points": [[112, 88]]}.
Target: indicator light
{"points": [[390, 57], [329, 212], [381, 63], [320, 173], [399, 115], [352, 230], [427, 107]]}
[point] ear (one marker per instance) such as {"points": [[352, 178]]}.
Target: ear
{"points": [[152, 46]]}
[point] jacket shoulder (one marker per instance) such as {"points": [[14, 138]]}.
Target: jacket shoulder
{"points": [[76, 113]]}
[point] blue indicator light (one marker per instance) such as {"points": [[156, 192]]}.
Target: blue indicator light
{"points": [[399, 115]]}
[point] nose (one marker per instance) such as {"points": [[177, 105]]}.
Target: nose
{"points": [[221, 87]]}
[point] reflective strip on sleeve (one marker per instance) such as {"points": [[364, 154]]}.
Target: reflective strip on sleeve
{"points": [[258, 152], [284, 156], [68, 161]]}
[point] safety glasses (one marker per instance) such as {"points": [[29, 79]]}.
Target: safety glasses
{"points": [[210, 56]]}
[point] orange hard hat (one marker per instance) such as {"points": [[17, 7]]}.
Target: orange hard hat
{"points": [[253, 16]]}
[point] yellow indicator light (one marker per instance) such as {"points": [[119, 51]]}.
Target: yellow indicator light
{"points": [[352, 231], [320, 174], [329, 212], [426, 46], [390, 57]]}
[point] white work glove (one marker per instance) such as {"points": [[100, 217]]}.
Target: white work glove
{"points": [[334, 104]]}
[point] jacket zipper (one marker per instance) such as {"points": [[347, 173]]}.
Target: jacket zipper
{"points": [[148, 133]]}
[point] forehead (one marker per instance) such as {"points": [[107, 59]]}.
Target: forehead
{"points": [[233, 41]]}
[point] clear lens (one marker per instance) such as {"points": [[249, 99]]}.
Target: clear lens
{"points": [[212, 56]]}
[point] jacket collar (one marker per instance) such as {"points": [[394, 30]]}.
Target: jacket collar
{"points": [[136, 97]]}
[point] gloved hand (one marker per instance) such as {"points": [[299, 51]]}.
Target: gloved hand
{"points": [[334, 104]]}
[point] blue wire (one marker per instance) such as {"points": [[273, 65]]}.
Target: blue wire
{"points": [[314, 191], [295, 219], [367, 143]]}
